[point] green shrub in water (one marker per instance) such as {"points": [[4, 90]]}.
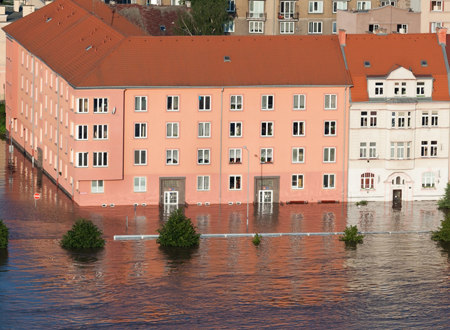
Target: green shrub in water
{"points": [[351, 235], [83, 235], [256, 239], [363, 202], [444, 202], [178, 231], [4, 235], [443, 232]]}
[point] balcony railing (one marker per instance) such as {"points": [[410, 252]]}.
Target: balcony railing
{"points": [[288, 16], [256, 16]]}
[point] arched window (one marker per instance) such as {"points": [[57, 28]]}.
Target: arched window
{"points": [[398, 180], [367, 180], [428, 180]]}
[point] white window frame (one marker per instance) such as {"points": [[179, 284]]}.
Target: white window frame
{"points": [[297, 178], [331, 99], [299, 102], [100, 132], [231, 8], [140, 157], [139, 184], [298, 155], [326, 184], [438, 5], [267, 102], [203, 183], [428, 180], [379, 88], [84, 161], [237, 129], [142, 133], [236, 102], [370, 184], [267, 127], [339, 5], [267, 155], [229, 27], [315, 27], [82, 105], [80, 129], [204, 103], [400, 88], [329, 154], [363, 150], [373, 150], [203, 156], [235, 156], [287, 27], [363, 5], [256, 27], [102, 105], [420, 89], [301, 128], [236, 184], [434, 118], [172, 154], [435, 25], [331, 124], [315, 7], [172, 130], [101, 158], [204, 129], [173, 103], [139, 106], [334, 27], [96, 187]]}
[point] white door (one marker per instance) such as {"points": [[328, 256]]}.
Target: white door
{"points": [[265, 196], [170, 197]]}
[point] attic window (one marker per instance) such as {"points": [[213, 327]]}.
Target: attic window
{"points": [[366, 64], [88, 47], [423, 63], [48, 19], [226, 59], [162, 28]]}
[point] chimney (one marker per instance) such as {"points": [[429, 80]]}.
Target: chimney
{"points": [[16, 6], [27, 10], [442, 35], [342, 37]]}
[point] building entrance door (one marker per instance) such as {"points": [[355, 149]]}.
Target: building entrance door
{"points": [[266, 196], [397, 198], [170, 197]]}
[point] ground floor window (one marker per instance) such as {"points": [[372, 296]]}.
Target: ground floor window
{"points": [[140, 184], [328, 181], [97, 186], [297, 181], [202, 182], [235, 182], [428, 180], [367, 181]]}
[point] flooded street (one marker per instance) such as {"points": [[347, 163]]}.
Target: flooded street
{"points": [[388, 282]]}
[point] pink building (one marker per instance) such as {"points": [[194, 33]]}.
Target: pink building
{"points": [[115, 117]]}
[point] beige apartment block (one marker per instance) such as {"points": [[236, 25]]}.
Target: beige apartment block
{"points": [[434, 14]]}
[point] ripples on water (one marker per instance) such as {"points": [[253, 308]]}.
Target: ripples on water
{"points": [[390, 281]]}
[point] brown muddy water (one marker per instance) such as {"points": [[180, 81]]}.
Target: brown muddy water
{"points": [[388, 282]]}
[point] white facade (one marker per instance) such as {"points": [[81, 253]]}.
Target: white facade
{"points": [[398, 140]]}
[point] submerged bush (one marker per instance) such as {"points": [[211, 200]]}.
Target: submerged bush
{"points": [[256, 239], [4, 235], [444, 202], [363, 202], [178, 231], [83, 235], [443, 232], [351, 235]]}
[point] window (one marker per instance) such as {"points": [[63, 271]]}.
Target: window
{"points": [[420, 89], [286, 27], [363, 5], [328, 181], [172, 103], [256, 9], [400, 88], [428, 180], [436, 5], [401, 119], [231, 6], [402, 28], [425, 118], [330, 128], [140, 130], [334, 27], [379, 88], [267, 128], [297, 181], [387, 3], [82, 132], [434, 118], [100, 159], [256, 27], [435, 25], [330, 101], [235, 156], [298, 155], [140, 103], [433, 149], [172, 130], [299, 102], [339, 5], [235, 182], [100, 132], [171, 157], [82, 159], [140, 184], [97, 186], [204, 103], [298, 128], [315, 7], [373, 150], [100, 105], [236, 102], [329, 155], [267, 102], [204, 130], [140, 157], [398, 150], [266, 155], [203, 183], [363, 150], [203, 156], [315, 27], [82, 105], [236, 129], [367, 181], [228, 27]]}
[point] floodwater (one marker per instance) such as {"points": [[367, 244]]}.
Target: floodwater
{"points": [[388, 282]]}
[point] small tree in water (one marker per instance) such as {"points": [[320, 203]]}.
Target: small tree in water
{"points": [[178, 231], [351, 235], [444, 202], [443, 232], [4, 235], [83, 235]]}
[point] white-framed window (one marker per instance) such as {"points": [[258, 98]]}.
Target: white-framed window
{"points": [[425, 118], [100, 105], [203, 156], [363, 150], [267, 102], [100, 132], [228, 27], [231, 8], [298, 128], [398, 150], [400, 88], [329, 155], [330, 101], [367, 181], [379, 88], [368, 118], [267, 128], [428, 180], [235, 129], [330, 128], [204, 103], [172, 130], [339, 5], [434, 118], [328, 181], [140, 157], [363, 5], [82, 159], [374, 27], [140, 184], [100, 159], [203, 183], [373, 150], [387, 2], [236, 102], [172, 157], [297, 181], [140, 103], [436, 5], [334, 27], [315, 7], [266, 155], [401, 119], [402, 28], [82, 105], [287, 9], [235, 182], [298, 155], [82, 132], [140, 130], [235, 156], [256, 9], [256, 27], [299, 102], [97, 187], [315, 27], [204, 130], [435, 25], [287, 27], [173, 103], [420, 89]]}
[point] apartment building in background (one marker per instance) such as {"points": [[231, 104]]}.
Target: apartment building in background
{"points": [[434, 14]]}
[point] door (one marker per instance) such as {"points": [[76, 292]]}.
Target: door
{"points": [[397, 198], [171, 197], [266, 196]]}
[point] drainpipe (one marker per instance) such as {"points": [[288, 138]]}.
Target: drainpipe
{"points": [[123, 134], [274, 18], [343, 152], [57, 130], [220, 160], [32, 114]]}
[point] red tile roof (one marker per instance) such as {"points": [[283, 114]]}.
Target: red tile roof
{"points": [[386, 51]]}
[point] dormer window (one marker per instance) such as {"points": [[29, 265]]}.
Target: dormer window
{"points": [[379, 88], [420, 89], [400, 89]]}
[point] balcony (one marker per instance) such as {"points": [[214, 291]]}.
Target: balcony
{"points": [[288, 16], [256, 16]]}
